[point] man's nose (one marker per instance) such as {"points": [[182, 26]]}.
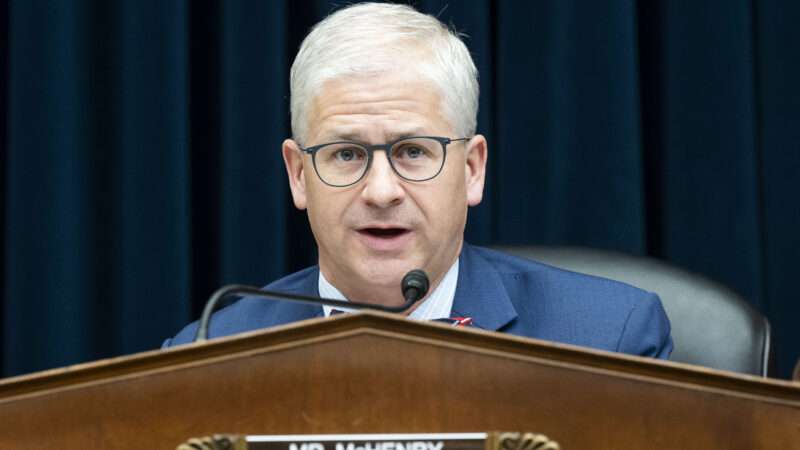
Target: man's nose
{"points": [[382, 186]]}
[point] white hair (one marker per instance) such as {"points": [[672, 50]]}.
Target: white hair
{"points": [[381, 37]]}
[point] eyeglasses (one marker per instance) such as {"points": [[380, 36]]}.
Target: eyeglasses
{"points": [[415, 158]]}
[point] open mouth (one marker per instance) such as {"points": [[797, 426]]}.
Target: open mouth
{"points": [[384, 233], [385, 238]]}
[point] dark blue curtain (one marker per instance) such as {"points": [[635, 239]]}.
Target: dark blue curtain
{"points": [[141, 152]]}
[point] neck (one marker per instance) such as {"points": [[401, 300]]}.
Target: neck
{"points": [[371, 293], [378, 294]]}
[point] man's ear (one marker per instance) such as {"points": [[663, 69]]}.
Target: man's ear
{"points": [[475, 168], [295, 170]]}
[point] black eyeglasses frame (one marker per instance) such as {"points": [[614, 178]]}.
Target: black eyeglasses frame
{"points": [[444, 141]]}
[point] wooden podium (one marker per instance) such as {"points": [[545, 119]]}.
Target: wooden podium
{"points": [[377, 373]]}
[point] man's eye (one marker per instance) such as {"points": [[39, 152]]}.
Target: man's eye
{"points": [[346, 154], [410, 152]]}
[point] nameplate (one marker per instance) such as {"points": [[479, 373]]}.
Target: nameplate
{"points": [[421, 441], [440, 441]]}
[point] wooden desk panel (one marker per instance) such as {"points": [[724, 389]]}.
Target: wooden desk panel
{"points": [[373, 373]]}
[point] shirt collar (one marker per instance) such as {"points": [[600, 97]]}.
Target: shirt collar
{"points": [[437, 305]]}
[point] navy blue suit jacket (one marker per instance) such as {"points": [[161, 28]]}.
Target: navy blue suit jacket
{"points": [[501, 293]]}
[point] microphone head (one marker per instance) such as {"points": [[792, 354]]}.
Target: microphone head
{"points": [[415, 285]]}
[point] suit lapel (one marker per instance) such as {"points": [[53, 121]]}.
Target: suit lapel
{"points": [[480, 293], [292, 311]]}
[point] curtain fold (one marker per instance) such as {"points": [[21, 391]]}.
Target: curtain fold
{"points": [[254, 123], [142, 163]]}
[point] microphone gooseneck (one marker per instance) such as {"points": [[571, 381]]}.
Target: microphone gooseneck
{"points": [[414, 286]]}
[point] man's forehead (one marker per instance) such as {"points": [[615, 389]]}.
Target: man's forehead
{"points": [[376, 86], [405, 101], [403, 104]]}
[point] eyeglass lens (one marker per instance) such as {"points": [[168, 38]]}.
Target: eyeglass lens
{"points": [[415, 159]]}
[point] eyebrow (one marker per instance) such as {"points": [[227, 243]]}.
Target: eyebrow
{"points": [[391, 137]]}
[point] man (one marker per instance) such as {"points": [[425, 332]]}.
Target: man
{"points": [[385, 160]]}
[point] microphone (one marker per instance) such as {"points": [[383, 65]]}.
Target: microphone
{"points": [[414, 286]]}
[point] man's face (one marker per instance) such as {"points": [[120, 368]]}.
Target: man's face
{"points": [[373, 232]]}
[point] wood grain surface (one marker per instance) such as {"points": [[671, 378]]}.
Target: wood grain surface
{"points": [[376, 373]]}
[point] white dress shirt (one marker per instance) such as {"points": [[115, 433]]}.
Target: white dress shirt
{"points": [[438, 305]]}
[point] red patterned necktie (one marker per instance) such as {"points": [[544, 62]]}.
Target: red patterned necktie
{"points": [[453, 321], [456, 321]]}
